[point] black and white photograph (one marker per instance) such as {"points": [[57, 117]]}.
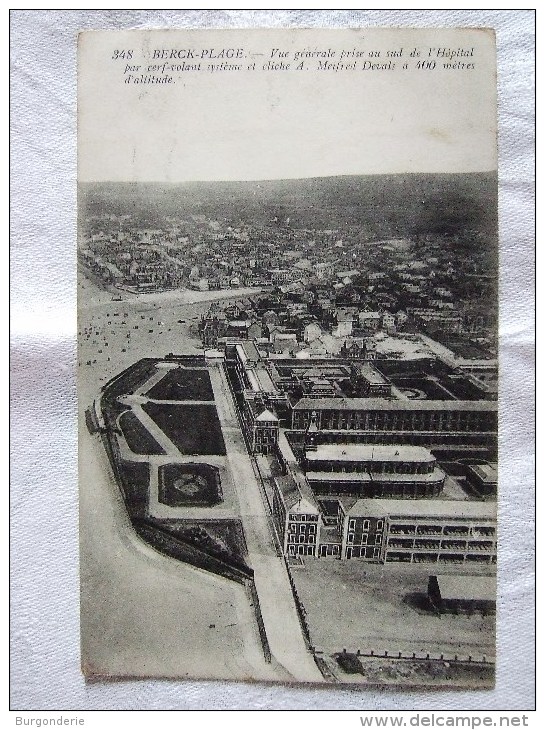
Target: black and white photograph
{"points": [[288, 355]]}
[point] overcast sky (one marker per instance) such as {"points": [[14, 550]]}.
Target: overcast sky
{"points": [[254, 125]]}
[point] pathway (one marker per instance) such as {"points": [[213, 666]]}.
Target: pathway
{"points": [[278, 609]]}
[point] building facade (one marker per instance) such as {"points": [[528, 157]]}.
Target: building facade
{"points": [[372, 383], [483, 478], [462, 594], [370, 470], [260, 397], [296, 519], [431, 531], [390, 416]]}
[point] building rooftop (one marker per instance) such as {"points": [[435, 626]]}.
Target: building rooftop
{"points": [[438, 508], [331, 535], [287, 487], [247, 351], [252, 379], [370, 452], [487, 473], [344, 274], [294, 470], [466, 587], [369, 315], [331, 476], [327, 476], [264, 379], [267, 416], [371, 374], [294, 500], [325, 370], [384, 404]]}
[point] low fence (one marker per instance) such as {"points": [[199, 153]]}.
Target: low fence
{"points": [[301, 612], [458, 658], [302, 615], [254, 599]]}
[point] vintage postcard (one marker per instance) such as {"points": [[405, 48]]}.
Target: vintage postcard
{"points": [[287, 363]]}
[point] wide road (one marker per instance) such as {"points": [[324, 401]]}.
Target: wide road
{"points": [[278, 609], [146, 615]]}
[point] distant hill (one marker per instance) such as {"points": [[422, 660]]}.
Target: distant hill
{"points": [[408, 204]]}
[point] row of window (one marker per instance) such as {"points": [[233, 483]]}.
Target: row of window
{"points": [[365, 526], [300, 550], [302, 539], [356, 552], [303, 518], [392, 556], [265, 437], [385, 467], [365, 539], [373, 488], [433, 421], [300, 527], [441, 544], [452, 530]]}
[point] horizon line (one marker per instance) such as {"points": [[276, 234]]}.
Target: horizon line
{"points": [[281, 179]]}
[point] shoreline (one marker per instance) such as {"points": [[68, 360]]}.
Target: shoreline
{"points": [[96, 296]]}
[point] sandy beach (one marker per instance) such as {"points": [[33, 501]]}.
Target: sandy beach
{"points": [[131, 593]]}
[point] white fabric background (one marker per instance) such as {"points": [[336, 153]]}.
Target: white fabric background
{"points": [[44, 550]]}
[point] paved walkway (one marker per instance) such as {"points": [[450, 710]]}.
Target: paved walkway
{"points": [[141, 399], [278, 609], [148, 384], [438, 349], [157, 433]]}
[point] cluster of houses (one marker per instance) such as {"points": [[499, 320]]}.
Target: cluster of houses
{"points": [[391, 289], [322, 329]]}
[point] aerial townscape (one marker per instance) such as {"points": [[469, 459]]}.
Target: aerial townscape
{"points": [[294, 385]]}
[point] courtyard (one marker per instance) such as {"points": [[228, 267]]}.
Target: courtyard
{"points": [[189, 485], [356, 605]]}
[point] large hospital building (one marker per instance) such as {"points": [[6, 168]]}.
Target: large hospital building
{"points": [[359, 476]]}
